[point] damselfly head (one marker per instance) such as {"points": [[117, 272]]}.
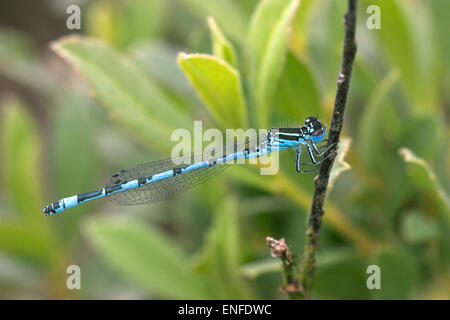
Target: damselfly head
{"points": [[314, 126]]}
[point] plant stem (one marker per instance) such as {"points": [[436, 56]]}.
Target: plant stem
{"points": [[278, 248], [308, 263]]}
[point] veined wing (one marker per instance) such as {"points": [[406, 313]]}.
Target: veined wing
{"points": [[166, 188]]}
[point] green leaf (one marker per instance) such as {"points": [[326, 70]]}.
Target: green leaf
{"points": [[147, 257], [25, 232], [256, 269], [340, 274], [28, 240], [251, 176], [399, 273], [411, 48], [16, 46], [376, 115], [267, 43], [220, 256], [159, 60], [103, 21], [442, 23], [144, 19], [18, 273], [417, 227], [297, 96], [423, 176], [299, 41], [71, 145], [227, 14], [18, 61], [325, 34], [123, 88], [222, 48], [20, 159], [426, 142], [124, 22], [218, 85]]}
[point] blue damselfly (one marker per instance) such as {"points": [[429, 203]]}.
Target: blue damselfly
{"points": [[156, 181]]}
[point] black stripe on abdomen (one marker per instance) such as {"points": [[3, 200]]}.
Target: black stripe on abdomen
{"points": [[85, 196], [55, 205], [110, 189]]}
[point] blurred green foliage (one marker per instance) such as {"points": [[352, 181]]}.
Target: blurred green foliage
{"points": [[247, 64]]}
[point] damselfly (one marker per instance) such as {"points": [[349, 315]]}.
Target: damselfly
{"points": [[156, 181]]}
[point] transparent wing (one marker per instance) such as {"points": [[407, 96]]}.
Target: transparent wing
{"points": [[164, 189]]}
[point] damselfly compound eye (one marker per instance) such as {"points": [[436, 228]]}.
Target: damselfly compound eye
{"points": [[309, 121]]}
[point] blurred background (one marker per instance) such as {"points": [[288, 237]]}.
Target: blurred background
{"points": [[74, 111]]}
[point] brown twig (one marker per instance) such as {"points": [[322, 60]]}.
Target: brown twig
{"points": [[308, 263], [278, 248]]}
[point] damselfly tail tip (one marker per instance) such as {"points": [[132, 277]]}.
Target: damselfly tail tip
{"points": [[47, 210]]}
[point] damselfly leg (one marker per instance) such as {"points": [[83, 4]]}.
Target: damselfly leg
{"points": [[311, 151], [316, 149]]}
